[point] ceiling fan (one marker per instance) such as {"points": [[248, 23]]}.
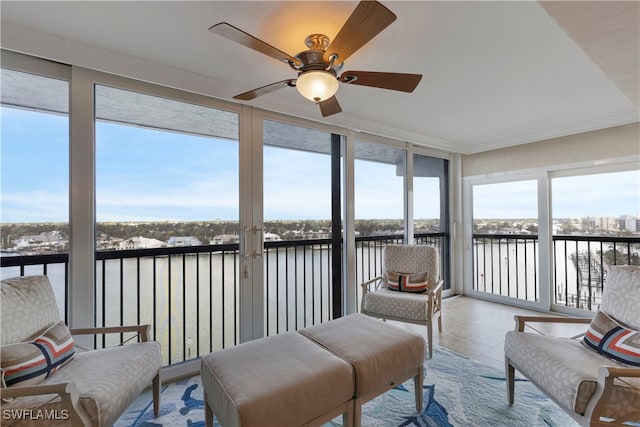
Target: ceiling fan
{"points": [[318, 67]]}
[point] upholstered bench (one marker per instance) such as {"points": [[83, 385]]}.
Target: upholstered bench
{"points": [[282, 380], [310, 376], [382, 356]]}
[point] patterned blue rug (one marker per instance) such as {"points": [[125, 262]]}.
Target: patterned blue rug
{"points": [[458, 391]]}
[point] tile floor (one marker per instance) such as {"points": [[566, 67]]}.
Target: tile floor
{"points": [[476, 328]]}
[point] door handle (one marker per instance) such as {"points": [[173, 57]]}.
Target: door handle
{"points": [[244, 241], [260, 242]]}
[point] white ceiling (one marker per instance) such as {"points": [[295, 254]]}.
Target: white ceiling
{"points": [[495, 74]]}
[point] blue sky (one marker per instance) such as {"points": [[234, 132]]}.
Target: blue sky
{"points": [[150, 175]]}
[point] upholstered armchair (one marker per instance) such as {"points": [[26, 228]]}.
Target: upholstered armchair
{"points": [[409, 290], [46, 378], [595, 376]]}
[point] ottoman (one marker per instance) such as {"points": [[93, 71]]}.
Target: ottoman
{"points": [[282, 380], [382, 356]]}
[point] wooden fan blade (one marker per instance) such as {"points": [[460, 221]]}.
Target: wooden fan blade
{"points": [[237, 35], [394, 81], [330, 106], [367, 20], [252, 94]]}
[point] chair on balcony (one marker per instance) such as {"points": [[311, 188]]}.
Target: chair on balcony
{"points": [[45, 376], [409, 290], [592, 375]]}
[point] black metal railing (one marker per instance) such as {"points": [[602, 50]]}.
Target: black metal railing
{"points": [[580, 279], [369, 250], [507, 264], [297, 284], [190, 295]]}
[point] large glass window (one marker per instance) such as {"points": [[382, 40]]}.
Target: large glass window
{"points": [[596, 222], [379, 204], [299, 225], [431, 207], [34, 174], [167, 202], [505, 239], [379, 189]]}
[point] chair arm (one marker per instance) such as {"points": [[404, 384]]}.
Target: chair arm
{"points": [[522, 320], [437, 289], [68, 393], [602, 395], [365, 285], [142, 330]]}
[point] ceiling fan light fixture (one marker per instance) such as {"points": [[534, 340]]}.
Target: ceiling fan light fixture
{"points": [[317, 85]]}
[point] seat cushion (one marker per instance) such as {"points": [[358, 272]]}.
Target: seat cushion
{"points": [[378, 352], [404, 305], [282, 380], [568, 371], [107, 381]]}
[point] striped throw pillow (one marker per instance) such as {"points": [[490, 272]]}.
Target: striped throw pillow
{"points": [[608, 337], [405, 282], [30, 363]]}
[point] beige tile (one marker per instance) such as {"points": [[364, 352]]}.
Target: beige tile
{"points": [[477, 328]]}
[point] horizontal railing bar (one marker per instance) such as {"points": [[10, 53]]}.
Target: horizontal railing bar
{"points": [[570, 238], [174, 250], [19, 260]]}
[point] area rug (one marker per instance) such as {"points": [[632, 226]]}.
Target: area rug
{"points": [[458, 391]]}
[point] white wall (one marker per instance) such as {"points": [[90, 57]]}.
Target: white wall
{"points": [[591, 147]]}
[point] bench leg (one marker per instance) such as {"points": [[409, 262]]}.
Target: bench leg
{"points": [[208, 413], [357, 412], [347, 417], [417, 383]]}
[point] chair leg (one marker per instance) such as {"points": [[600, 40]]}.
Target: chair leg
{"points": [[156, 394], [510, 380], [440, 323], [430, 338], [417, 383]]}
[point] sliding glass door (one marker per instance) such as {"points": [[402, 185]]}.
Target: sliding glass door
{"points": [[167, 220], [302, 228]]}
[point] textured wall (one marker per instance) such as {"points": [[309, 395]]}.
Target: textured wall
{"points": [[611, 143]]}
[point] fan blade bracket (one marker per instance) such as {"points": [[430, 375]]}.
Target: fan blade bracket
{"points": [[235, 34]]}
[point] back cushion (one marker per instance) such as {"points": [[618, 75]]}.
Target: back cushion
{"points": [[621, 295], [27, 306], [409, 259]]}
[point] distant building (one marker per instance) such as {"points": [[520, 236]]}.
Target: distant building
{"points": [[42, 240], [141, 243], [183, 241], [224, 239], [271, 237], [105, 242], [629, 223]]}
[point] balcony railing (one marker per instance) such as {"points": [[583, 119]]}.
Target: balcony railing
{"points": [[190, 294], [507, 264]]}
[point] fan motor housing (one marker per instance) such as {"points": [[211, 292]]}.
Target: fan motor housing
{"points": [[313, 60]]}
